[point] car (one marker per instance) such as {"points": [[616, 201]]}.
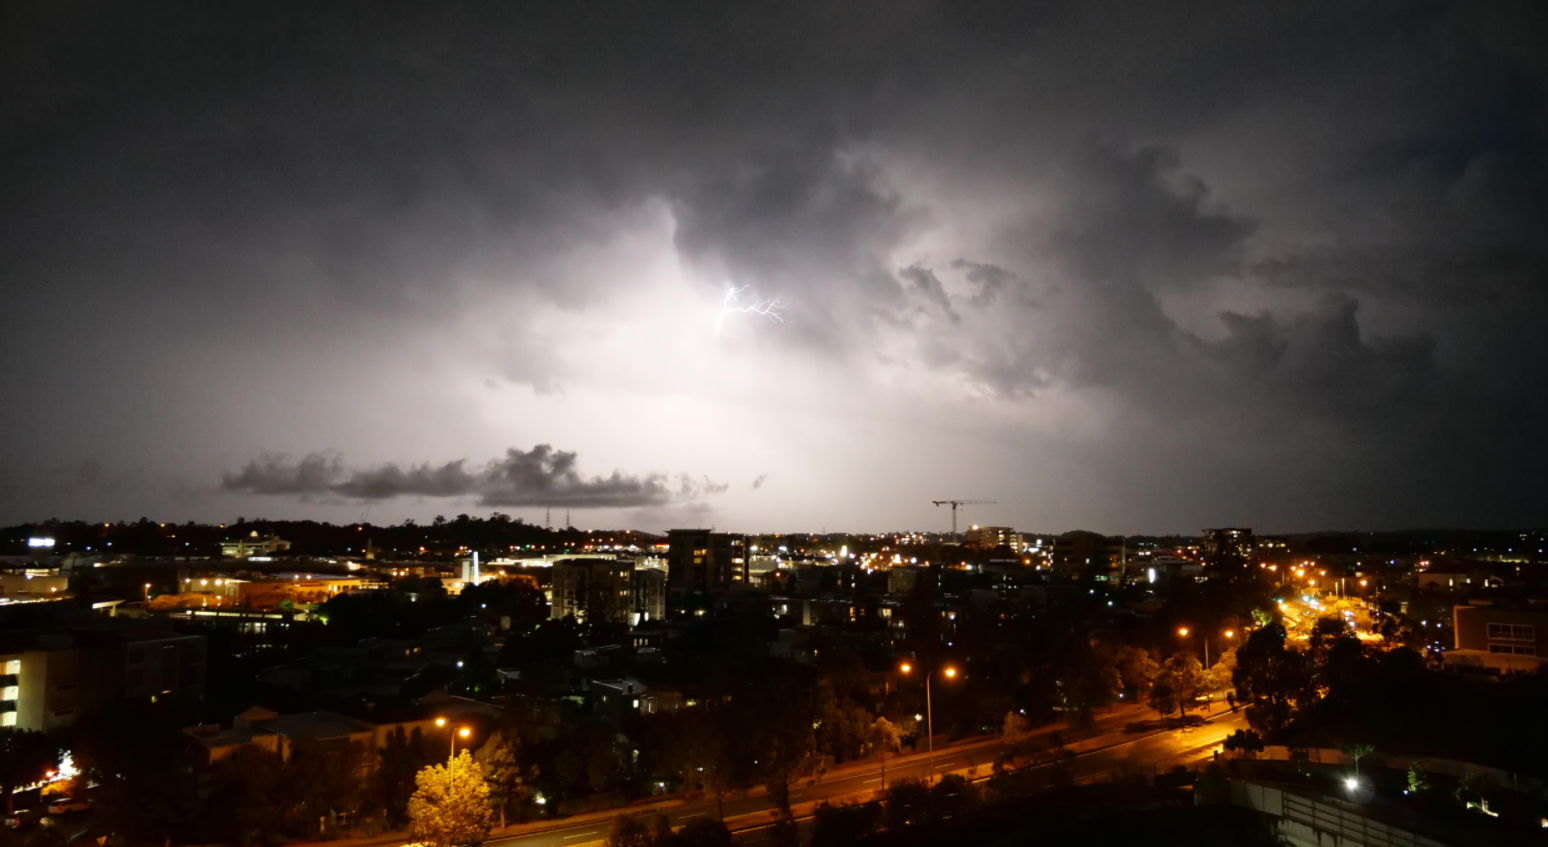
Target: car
{"points": [[65, 804], [21, 818]]}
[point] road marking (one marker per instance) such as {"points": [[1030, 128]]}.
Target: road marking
{"points": [[694, 815], [868, 781], [583, 834]]}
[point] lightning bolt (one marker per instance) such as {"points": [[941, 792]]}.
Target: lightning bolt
{"points": [[731, 304]]}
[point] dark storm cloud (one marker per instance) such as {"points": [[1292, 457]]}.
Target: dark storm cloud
{"points": [[541, 476], [1248, 230]]}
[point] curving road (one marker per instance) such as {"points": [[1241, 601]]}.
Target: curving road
{"points": [[1115, 746]]}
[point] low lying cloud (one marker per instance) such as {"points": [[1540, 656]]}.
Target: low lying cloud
{"points": [[541, 476]]}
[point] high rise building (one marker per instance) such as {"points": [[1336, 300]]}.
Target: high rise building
{"points": [[1079, 553], [649, 587], [1229, 547], [593, 590], [702, 560], [990, 537]]}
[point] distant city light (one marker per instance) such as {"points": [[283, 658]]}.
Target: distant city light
{"points": [[40, 542]]}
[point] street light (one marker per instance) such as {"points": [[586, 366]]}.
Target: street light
{"points": [[951, 673], [463, 732]]}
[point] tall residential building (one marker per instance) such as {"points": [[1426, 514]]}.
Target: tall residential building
{"points": [[702, 560], [50, 678], [990, 537], [1228, 547], [1080, 553], [593, 590], [649, 587]]}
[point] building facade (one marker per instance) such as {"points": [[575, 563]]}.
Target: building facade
{"points": [[649, 586], [593, 590], [49, 679], [990, 537], [1080, 554], [1499, 639], [703, 560], [1228, 547], [253, 545]]}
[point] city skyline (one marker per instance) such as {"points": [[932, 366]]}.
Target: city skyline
{"points": [[778, 268]]}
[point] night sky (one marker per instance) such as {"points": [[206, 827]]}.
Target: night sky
{"points": [[1129, 267]]}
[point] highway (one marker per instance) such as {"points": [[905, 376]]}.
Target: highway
{"points": [[1113, 747]]}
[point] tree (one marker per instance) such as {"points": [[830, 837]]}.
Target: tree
{"points": [[1244, 741], [627, 831], [1092, 679], [884, 738], [1016, 736], [1273, 679], [840, 826], [451, 806], [704, 832], [783, 746], [1163, 694], [402, 757], [319, 784], [244, 799], [1356, 752], [25, 757], [1187, 677], [500, 759], [1136, 669], [132, 755]]}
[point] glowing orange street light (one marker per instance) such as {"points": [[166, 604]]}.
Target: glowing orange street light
{"points": [[951, 673], [462, 732]]}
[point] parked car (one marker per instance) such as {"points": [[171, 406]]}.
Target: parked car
{"points": [[21, 818], [65, 804]]}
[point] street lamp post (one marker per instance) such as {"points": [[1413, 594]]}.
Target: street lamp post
{"points": [[451, 753], [951, 673], [1204, 639]]}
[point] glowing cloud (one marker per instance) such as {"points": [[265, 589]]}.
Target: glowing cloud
{"points": [[731, 304]]}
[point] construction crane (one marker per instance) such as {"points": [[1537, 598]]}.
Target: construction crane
{"points": [[954, 504]]}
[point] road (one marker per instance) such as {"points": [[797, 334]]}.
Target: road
{"points": [[1113, 747]]}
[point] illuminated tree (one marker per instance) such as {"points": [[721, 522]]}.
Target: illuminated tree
{"points": [[502, 769], [1273, 679], [1163, 694], [1136, 669], [451, 806], [25, 757], [1016, 734], [1187, 677], [884, 738], [1356, 752]]}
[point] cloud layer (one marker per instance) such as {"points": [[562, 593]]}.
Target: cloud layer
{"points": [[540, 477], [1124, 267]]}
